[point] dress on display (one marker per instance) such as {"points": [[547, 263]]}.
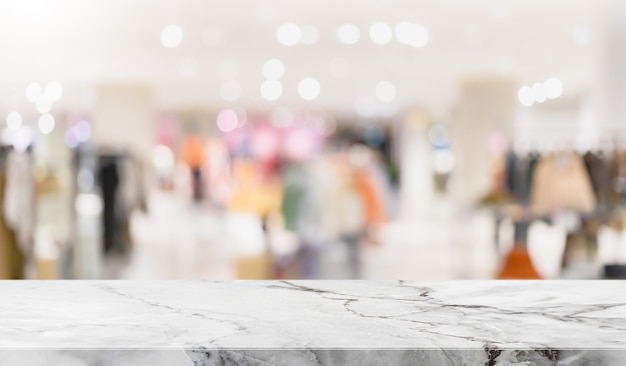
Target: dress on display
{"points": [[561, 182], [109, 179]]}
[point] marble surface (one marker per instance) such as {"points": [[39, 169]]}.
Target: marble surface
{"points": [[312, 323]]}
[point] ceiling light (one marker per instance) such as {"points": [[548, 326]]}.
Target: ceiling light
{"points": [[539, 91], [171, 36], [411, 34], [227, 120], [273, 69], [82, 131], [54, 91], [46, 123], [348, 34], [553, 88], [289, 34], [33, 91], [309, 88], [381, 33], [230, 90], [271, 90], [526, 96], [14, 121], [43, 104], [385, 91]]}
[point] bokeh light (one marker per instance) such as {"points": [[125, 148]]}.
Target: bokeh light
{"points": [[227, 120], [46, 123], [309, 88], [348, 34], [289, 34], [171, 36], [271, 90]]}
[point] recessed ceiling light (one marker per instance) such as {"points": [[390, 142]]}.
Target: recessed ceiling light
{"points": [[273, 69], [289, 34], [309, 88], [412, 34], [348, 34], [553, 88], [171, 36], [271, 90], [227, 120], [14, 121], [54, 91], [33, 91], [46, 123], [381, 33]]}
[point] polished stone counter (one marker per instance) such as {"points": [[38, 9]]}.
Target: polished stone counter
{"points": [[312, 323]]}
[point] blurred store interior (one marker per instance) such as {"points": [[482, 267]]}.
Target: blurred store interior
{"points": [[275, 139]]}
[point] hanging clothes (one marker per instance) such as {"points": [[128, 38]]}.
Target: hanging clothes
{"points": [[318, 184], [345, 205], [12, 260], [132, 188], [599, 174], [131, 197], [19, 202], [109, 181], [519, 173], [372, 198], [294, 180], [248, 193], [617, 177], [561, 182], [194, 155], [220, 181]]}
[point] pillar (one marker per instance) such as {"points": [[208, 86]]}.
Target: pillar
{"points": [[486, 106]]}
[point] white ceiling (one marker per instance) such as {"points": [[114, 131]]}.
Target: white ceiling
{"points": [[85, 42]]}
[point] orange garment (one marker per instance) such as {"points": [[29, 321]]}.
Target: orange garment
{"points": [[518, 266], [372, 202], [193, 152], [252, 193]]}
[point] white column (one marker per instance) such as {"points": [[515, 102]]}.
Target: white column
{"points": [[124, 115], [416, 172], [486, 106], [609, 91]]}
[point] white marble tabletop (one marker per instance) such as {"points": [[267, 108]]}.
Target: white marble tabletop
{"points": [[312, 314]]}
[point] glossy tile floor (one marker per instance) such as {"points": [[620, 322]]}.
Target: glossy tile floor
{"points": [[180, 241]]}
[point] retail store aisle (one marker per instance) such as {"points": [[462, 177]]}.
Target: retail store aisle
{"points": [[181, 241], [177, 241]]}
